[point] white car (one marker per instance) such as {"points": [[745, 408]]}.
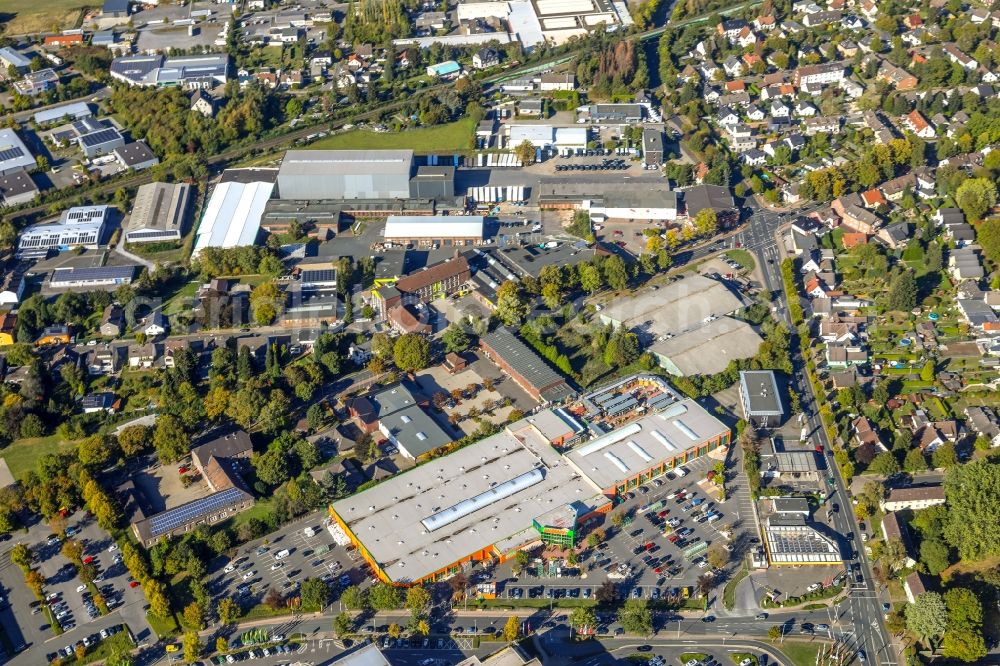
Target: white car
{"points": [[112, 548], [277, 565], [230, 568], [250, 574], [277, 638], [746, 662], [81, 588]]}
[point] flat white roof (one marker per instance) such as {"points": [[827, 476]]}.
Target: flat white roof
{"points": [[232, 216], [571, 136], [524, 23], [539, 135], [487, 493], [647, 442], [547, 7], [405, 227]]}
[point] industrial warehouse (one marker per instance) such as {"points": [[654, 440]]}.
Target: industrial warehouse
{"points": [[514, 490]]}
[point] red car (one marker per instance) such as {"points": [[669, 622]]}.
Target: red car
{"points": [[133, 583], [663, 513], [658, 570], [182, 470], [650, 545], [673, 538], [87, 560]]}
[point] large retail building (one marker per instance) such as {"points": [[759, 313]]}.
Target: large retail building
{"points": [[514, 490]]}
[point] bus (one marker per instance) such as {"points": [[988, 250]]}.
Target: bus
{"points": [[695, 551], [654, 507]]}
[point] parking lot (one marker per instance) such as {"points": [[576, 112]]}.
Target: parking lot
{"points": [[258, 568], [639, 557]]}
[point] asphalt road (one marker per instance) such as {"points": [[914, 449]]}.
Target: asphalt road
{"points": [[862, 610]]}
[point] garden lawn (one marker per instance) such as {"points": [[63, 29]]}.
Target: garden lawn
{"points": [[743, 258], [452, 137]]}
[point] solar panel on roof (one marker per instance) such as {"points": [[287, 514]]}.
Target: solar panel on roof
{"points": [[97, 273], [319, 275], [174, 518], [101, 136], [10, 153]]}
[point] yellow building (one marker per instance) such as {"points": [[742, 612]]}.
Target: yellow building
{"points": [[7, 323]]}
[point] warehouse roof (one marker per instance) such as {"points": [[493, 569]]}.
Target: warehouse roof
{"points": [[760, 393], [678, 307], [645, 443], [13, 152], [321, 163], [134, 153], [715, 197], [232, 215], [92, 274], [487, 493], [405, 227], [15, 184], [708, 349], [529, 365], [75, 111], [160, 207]]}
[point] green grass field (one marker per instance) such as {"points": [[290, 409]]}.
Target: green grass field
{"points": [[21, 17], [801, 654], [23, 454], [453, 137]]}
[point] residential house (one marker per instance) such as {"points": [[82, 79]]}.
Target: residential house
{"points": [[913, 498], [919, 125], [983, 421], [143, 356], [112, 321], [844, 356], [485, 58], [864, 434]]}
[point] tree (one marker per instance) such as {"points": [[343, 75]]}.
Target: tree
{"points": [[342, 624], [271, 466], [902, 292], [615, 272], [706, 222], [914, 461], [21, 555], [395, 630], [133, 440], [170, 439], [963, 639], [418, 600], [583, 617], [718, 556], [274, 599], [354, 598], [266, 301], [988, 236], [635, 617], [927, 371], [973, 509], [525, 151], [194, 615], [607, 593], [885, 464], [595, 538], [975, 197], [774, 632], [590, 277], [382, 596], [315, 594], [927, 617], [455, 339], [512, 306], [512, 629], [192, 647], [228, 611], [934, 555], [411, 352], [944, 456]]}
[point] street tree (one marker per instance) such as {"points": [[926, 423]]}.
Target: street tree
{"points": [[342, 624], [192, 647], [418, 600], [228, 611], [354, 598], [383, 597], [635, 617], [583, 617], [717, 556], [512, 629]]}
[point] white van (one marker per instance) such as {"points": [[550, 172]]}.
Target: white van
{"points": [[282, 554], [714, 517], [680, 471]]}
